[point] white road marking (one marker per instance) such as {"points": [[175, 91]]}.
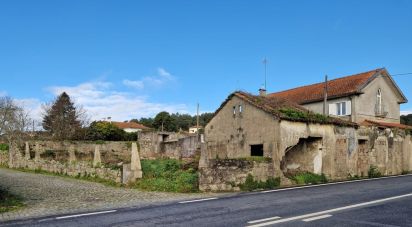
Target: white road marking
{"points": [[317, 218], [198, 200], [262, 220], [86, 214], [331, 210], [341, 182]]}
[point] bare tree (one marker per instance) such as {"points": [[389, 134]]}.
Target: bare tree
{"points": [[14, 120]]}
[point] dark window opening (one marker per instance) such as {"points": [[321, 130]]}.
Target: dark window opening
{"points": [[256, 150]]}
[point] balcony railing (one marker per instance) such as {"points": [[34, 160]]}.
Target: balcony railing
{"points": [[380, 110]]}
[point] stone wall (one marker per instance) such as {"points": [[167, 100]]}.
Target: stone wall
{"points": [[338, 152], [168, 145], [228, 174]]}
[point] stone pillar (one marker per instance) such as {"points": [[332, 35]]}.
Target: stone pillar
{"points": [[97, 159], [136, 166], [37, 152], [72, 154], [203, 161], [27, 151]]}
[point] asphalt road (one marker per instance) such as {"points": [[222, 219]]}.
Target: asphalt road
{"points": [[378, 202]]}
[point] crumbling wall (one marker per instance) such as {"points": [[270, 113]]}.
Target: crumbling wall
{"points": [[228, 174], [168, 145], [338, 152]]}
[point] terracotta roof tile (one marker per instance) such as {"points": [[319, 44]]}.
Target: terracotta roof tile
{"points": [[284, 109], [336, 88], [134, 125], [385, 124]]}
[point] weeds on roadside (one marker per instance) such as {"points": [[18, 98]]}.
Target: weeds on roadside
{"points": [[309, 178], [252, 184], [167, 175], [9, 202], [373, 172]]}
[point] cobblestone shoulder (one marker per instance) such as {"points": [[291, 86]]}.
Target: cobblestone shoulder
{"points": [[52, 195]]}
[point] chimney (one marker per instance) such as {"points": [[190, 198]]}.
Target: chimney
{"points": [[262, 92]]}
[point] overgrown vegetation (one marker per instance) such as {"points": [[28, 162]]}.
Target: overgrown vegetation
{"points": [[404, 172], [9, 202], [4, 147], [302, 115], [373, 172], [101, 131], [309, 178], [354, 177], [167, 175], [252, 184]]}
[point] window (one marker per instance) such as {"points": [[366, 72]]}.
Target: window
{"points": [[256, 150], [234, 111], [379, 101], [341, 108], [240, 108]]}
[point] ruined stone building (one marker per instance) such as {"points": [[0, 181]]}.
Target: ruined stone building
{"points": [[293, 138]]}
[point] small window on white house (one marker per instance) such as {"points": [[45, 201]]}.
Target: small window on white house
{"points": [[340, 108]]}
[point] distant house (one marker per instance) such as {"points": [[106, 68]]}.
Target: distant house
{"points": [[130, 126], [194, 129], [371, 95]]}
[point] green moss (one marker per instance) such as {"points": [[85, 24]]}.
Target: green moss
{"points": [[4, 147], [309, 178], [9, 202], [251, 184], [294, 114], [99, 142]]}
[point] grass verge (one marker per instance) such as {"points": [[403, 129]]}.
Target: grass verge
{"points": [[252, 184], [9, 202], [167, 175], [309, 178]]}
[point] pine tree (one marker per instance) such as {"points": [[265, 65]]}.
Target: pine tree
{"points": [[61, 119]]}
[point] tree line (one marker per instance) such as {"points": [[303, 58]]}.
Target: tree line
{"points": [[174, 122], [63, 120], [406, 119]]}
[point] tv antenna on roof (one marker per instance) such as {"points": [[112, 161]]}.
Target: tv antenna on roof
{"points": [[265, 62]]}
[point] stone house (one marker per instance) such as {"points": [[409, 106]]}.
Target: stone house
{"points": [[292, 139], [371, 95]]}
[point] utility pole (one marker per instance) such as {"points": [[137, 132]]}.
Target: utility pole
{"points": [[325, 95], [197, 119], [265, 62]]}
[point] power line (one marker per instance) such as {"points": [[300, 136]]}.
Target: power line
{"points": [[401, 74]]}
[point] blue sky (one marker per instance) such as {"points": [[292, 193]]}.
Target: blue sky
{"points": [[132, 59]]}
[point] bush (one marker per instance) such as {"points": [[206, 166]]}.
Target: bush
{"points": [[251, 184], [373, 172], [4, 147], [167, 175], [309, 178]]}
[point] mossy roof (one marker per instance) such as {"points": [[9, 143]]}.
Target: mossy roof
{"points": [[285, 110]]}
